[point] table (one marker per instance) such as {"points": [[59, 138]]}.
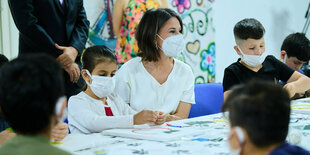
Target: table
{"points": [[212, 141]]}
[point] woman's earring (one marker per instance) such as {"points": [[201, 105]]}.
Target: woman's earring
{"points": [[156, 46]]}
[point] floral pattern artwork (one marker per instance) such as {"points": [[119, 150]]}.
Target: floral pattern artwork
{"points": [[182, 5], [208, 61], [198, 34], [126, 47]]}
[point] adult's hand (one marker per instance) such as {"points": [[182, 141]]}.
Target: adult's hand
{"points": [[68, 56]]}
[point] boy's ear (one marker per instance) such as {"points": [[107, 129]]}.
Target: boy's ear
{"points": [[237, 50], [282, 54]]}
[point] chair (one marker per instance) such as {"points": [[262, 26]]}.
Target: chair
{"points": [[209, 99]]}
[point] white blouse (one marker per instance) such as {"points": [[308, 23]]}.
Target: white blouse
{"points": [[87, 115], [142, 91]]}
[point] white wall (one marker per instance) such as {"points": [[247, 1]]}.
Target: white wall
{"points": [[279, 17]]}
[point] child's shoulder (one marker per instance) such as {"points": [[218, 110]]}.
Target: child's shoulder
{"points": [[79, 96], [234, 66]]}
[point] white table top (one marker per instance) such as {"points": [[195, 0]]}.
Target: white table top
{"points": [[212, 141]]}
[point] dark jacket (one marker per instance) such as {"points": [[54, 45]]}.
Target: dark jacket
{"points": [[42, 23]]}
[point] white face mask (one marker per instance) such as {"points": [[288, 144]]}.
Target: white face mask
{"points": [[240, 136], [61, 117], [173, 45], [252, 60], [101, 86], [285, 57]]}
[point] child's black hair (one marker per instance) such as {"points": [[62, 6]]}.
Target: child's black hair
{"points": [[94, 55], [297, 45], [30, 86], [3, 59], [249, 28], [262, 109]]}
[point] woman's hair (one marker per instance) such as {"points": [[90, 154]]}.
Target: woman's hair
{"points": [[150, 24], [95, 55]]}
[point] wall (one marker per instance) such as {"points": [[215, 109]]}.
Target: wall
{"points": [[279, 17]]}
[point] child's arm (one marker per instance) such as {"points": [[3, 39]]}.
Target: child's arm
{"points": [[297, 83], [83, 117]]}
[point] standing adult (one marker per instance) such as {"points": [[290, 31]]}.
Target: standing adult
{"points": [[56, 27], [126, 16]]}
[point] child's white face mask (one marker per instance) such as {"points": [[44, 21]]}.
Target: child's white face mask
{"points": [[252, 60], [101, 86], [240, 136], [61, 115], [173, 45]]}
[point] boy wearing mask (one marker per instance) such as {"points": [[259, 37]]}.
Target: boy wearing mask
{"points": [[254, 63], [259, 115]]}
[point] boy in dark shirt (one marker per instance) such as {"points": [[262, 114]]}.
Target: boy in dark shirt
{"points": [[259, 115], [249, 37], [295, 51]]}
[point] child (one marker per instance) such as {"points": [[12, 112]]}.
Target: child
{"points": [[30, 90], [59, 132], [249, 37], [97, 107], [295, 50], [259, 114]]}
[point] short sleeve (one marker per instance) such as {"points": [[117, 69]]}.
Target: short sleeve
{"points": [[188, 94], [229, 79], [122, 86]]}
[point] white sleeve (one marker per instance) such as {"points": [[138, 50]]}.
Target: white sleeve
{"points": [[188, 94], [127, 110], [85, 117], [122, 87]]}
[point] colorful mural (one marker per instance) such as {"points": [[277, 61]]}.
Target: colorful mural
{"points": [[101, 26], [199, 32]]}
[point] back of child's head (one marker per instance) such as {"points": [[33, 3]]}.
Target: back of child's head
{"points": [[95, 55], [30, 86], [3, 59], [248, 28], [297, 45], [262, 109]]}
